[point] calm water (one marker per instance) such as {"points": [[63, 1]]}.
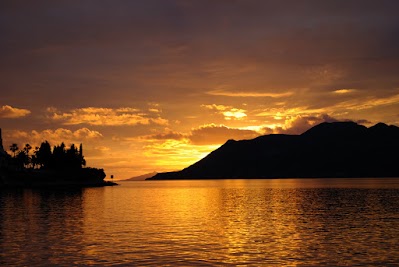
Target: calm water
{"points": [[206, 223]]}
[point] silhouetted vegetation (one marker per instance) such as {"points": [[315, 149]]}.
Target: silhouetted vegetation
{"points": [[14, 148], [43, 157], [46, 166], [60, 166]]}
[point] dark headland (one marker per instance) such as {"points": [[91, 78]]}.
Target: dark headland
{"points": [[59, 167], [338, 149]]}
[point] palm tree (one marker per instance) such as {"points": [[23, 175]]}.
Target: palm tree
{"points": [[27, 148], [28, 159], [14, 148]]}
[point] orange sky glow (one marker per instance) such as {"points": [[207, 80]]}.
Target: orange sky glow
{"points": [[154, 86]]}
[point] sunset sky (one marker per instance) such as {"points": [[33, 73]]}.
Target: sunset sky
{"points": [[155, 85]]}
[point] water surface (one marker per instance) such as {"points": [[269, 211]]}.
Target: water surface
{"points": [[206, 223]]}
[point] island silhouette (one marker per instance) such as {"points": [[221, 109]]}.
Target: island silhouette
{"points": [[337, 149], [142, 177], [60, 166]]}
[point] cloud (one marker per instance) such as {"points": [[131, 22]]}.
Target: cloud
{"points": [[228, 112], [144, 52], [210, 134], [218, 134], [368, 102], [344, 91], [300, 124], [9, 112], [248, 94], [235, 113], [167, 135], [297, 124], [106, 117], [341, 103], [216, 107], [282, 112], [363, 121], [53, 136], [92, 152]]}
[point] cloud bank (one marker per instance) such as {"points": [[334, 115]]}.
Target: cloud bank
{"points": [[9, 112], [107, 117]]}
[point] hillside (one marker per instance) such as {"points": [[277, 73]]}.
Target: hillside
{"points": [[141, 177], [338, 149]]}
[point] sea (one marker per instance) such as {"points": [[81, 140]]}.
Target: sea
{"points": [[278, 222]]}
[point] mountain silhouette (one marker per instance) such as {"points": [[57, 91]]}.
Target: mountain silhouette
{"points": [[337, 149], [141, 177]]}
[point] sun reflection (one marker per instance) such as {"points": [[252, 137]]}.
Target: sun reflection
{"points": [[215, 222]]}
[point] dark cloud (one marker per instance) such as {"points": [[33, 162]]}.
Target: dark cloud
{"points": [[266, 60], [101, 46], [205, 135], [367, 122], [301, 124], [168, 135]]}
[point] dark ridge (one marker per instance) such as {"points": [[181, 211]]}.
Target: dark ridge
{"points": [[337, 149], [335, 129]]}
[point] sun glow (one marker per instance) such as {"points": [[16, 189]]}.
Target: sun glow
{"points": [[344, 91], [234, 114], [176, 154]]}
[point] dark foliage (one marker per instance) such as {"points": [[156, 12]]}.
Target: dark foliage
{"points": [[60, 158]]}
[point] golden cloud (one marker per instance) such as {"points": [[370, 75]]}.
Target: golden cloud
{"points": [[209, 134], [369, 102], [106, 117], [172, 150], [234, 113], [167, 135], [53, 136], [344, 91], [228, 112], [10, 112], [216, 107], [280, 113], [248, 94]]}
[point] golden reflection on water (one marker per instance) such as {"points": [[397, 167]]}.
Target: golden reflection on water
{"points": [[183, 223]]}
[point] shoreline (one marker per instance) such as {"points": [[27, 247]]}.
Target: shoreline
{"points": [[88, 177], [58, 185]]}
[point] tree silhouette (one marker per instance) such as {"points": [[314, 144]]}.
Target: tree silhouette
{"points": [[58, 158], [27, 148], [43, 154], [57, 161], [22, 159], [81, 158], [14, 148]]}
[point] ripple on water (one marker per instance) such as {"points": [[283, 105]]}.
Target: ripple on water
{"points": [[203, 223]]}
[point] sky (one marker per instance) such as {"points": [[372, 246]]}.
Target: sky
{"points": [[156, 85]]}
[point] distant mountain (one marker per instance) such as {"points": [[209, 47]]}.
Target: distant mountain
{"points": [[338, 149], [141, 177]]}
